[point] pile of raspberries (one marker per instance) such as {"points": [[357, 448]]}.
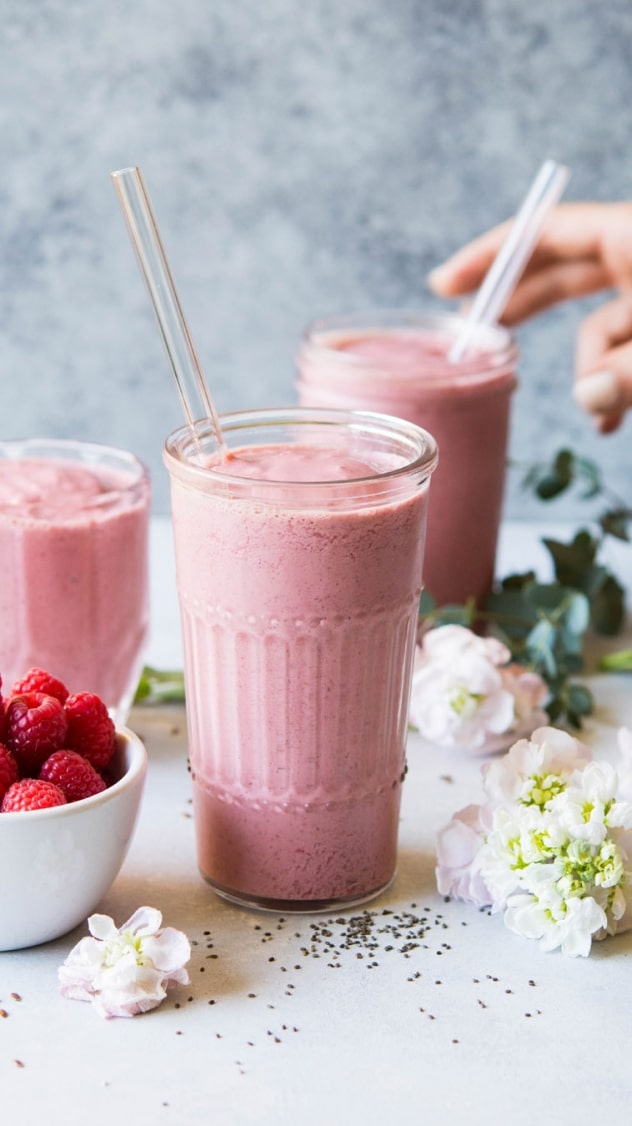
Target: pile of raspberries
{"points": [[55, 747]]}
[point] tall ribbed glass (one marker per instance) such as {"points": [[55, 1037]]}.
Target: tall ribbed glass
{"points": [[299, 569]]}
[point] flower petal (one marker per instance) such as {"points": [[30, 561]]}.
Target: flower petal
{"points": [[101, 926], [145, 920]]}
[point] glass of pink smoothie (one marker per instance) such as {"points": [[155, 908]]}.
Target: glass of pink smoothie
{"points": [[74, 563], [299, 570], [397, 362]]}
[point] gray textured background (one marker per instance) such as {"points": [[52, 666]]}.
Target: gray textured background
{"points": [[302, 158]]}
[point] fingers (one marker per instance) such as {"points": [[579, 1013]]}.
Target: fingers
{"points": [[583, 248], [603, 380], [464, 271], [551, 285], [567, 261]]}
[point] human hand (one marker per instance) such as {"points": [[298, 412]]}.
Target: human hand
{"points": [[584, 248]]}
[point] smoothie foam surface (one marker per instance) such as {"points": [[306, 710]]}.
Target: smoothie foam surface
{"points": [[50, 490]]}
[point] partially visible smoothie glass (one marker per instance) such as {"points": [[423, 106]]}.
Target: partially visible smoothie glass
{"points": [[74, 564], [299, 571], [397, 362]]}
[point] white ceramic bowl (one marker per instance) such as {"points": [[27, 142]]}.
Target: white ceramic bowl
{"points": [[56, 864]]}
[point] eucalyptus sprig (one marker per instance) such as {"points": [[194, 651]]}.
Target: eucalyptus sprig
{"points": [[576, 563], [544, 624]]}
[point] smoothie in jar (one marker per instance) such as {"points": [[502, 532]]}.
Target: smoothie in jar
{"points": [[397, 362], [299, 566], [74, 563]]}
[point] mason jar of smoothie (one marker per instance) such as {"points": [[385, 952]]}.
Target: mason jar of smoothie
{"points": [[299, 555], [74, 563], [397, 362]]}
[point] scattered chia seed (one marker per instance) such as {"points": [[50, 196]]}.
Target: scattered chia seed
{"points": [[346, 941]]}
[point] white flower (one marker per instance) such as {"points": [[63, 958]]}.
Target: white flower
{"points": [[570, 926], [588, 806], [535, 770], [126, 971], [551, 847], [466, 693], [521, 840]]}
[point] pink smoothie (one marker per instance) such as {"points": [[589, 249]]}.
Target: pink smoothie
{"points": [[73, 559], [299, 609], [397, 363]]}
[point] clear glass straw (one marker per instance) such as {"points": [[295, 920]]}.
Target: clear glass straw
{"points": [[508, 265], [185, 365]]}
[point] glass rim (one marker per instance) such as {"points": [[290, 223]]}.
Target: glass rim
{"points": [[95, 455], [184, 441], [497, 344]]}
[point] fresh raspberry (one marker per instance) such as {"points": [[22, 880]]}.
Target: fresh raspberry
{"points": [[74, 775], [91, 732], [31, 793], [36, 726], [38, 680], [9, 772]]}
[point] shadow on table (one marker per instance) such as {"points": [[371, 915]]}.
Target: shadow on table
{"points": [[415, 877]]}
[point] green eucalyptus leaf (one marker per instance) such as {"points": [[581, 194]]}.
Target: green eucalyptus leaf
{"points": [[550, 486], [540, 645], [512, 611], [576, 618], [615, 522], [608, 607], [580, 701], [432, 615], [456, 615], [518, 581], [621, 661], [427, 604], [564, 465], [548, 598], [554, 708], [571, 560], [157, 686]]}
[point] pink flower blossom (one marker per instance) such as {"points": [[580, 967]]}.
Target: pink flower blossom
{"points": [[459, 846], [467, 693], [126, 971]]}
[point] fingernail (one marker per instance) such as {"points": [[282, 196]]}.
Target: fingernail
{"points": [[598, 392], [436, 276]]}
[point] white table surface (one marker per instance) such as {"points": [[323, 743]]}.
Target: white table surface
{"points": [[410, 1008]]}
